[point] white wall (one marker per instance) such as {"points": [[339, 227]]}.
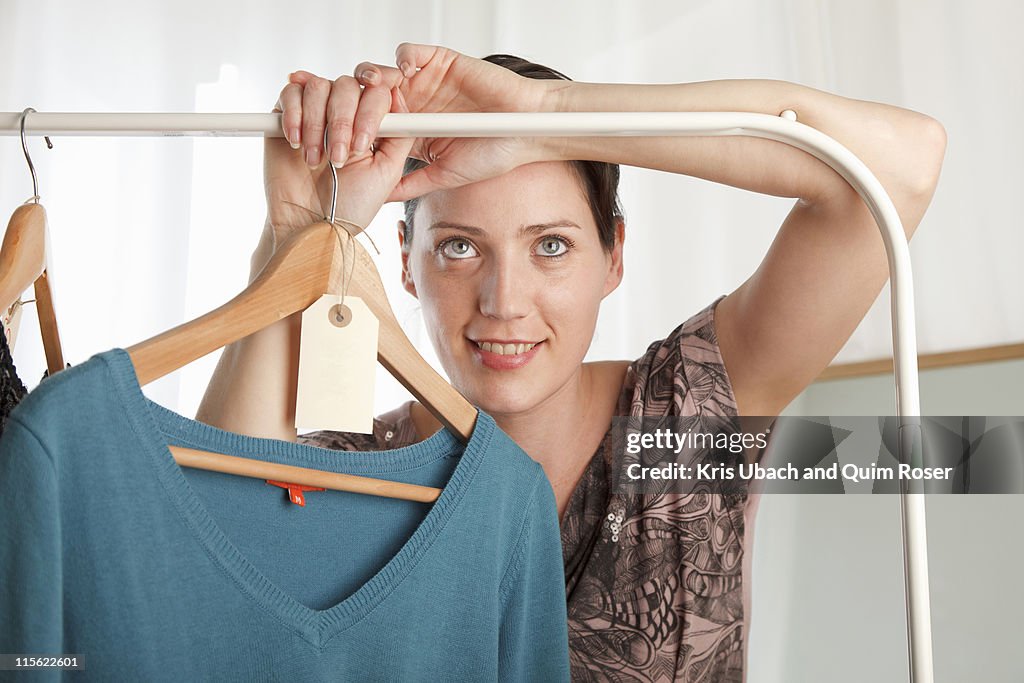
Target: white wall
{"points": [[828, 582]]}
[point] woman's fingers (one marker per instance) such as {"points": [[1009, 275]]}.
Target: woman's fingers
{"points": [[314, 118], [378, 83], [424, 180], [412, 56], [349, 109], [290, 105], [373, 105], [369, 73], [341, 111], [396, 150], [301, 77]]}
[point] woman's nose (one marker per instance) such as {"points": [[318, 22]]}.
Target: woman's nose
{"points": [[505, 292]]}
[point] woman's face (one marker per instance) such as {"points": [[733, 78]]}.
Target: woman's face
{"points": [[504, 264]]}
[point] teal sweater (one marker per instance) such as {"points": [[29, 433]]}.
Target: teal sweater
{"points": [[153, 572]]}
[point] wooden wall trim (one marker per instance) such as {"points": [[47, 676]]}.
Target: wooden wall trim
{"points": [[883, 366]]}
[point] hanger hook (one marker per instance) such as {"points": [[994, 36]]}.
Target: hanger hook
{"points": [[28, 158], [334, 179]]}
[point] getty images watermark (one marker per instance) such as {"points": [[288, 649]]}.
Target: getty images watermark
{"points": [[732, 455]]}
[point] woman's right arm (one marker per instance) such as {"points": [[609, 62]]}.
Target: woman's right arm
{"points": [[252, 390]]}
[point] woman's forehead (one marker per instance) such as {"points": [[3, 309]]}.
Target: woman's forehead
{"points": [[536, 193]]}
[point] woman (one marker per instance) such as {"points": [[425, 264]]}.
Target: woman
{"points": [[510, 245]]}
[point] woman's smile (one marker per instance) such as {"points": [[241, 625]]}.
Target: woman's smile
{"points": [[505, 355]]}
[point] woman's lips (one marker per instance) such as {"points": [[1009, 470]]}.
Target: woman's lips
{"points": [[497, 361]]}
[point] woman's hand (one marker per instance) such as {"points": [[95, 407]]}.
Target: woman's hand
{"points": [[438, 80], [296, 177], [252, 391]]}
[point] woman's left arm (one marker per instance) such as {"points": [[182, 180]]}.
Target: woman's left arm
{"points": [[827, 265]]}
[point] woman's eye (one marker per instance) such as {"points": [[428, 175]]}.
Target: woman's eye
{"points": [[457, 249], [553, 246]]}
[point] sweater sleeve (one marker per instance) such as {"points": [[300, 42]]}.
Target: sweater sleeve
{"points": [[534, 641], [31, 598]]}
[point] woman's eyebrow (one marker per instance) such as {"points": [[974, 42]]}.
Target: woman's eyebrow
{"points": [[541, 227], [445, 225], [526, 229]]}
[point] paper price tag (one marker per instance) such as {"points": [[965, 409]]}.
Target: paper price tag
{"points": [[337, 366]]}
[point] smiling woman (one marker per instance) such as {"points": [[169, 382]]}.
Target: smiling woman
{"points": [[535, 274], [510, 245]]}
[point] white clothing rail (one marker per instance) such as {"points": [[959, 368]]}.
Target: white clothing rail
{"points": [[779, 128]]}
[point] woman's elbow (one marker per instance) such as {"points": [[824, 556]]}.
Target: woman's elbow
{"points": [[925, 155]]}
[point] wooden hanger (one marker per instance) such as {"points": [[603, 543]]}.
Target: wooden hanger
{"points": [[23, 257], [300, 272]]}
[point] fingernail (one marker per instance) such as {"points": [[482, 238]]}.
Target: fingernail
{"points": [[313, 156], [338, 155], [370, 76], [293, 138], [361, 144], [406, 69]]}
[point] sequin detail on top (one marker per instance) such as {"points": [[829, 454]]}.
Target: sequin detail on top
{"points": [[12, 389], [653, 583]]}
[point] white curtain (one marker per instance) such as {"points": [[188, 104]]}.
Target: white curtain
{"points": [[148, 232]]}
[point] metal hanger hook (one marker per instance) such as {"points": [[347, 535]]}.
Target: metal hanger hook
{"points": [[28, 158], [334, 179]]}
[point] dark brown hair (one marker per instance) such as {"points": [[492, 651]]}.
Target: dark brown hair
{"points": [[600, 181]]}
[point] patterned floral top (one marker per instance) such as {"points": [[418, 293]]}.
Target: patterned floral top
{"points": [[653, 582]]}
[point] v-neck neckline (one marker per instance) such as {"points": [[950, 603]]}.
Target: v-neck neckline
{"points": [[156, 427]]}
